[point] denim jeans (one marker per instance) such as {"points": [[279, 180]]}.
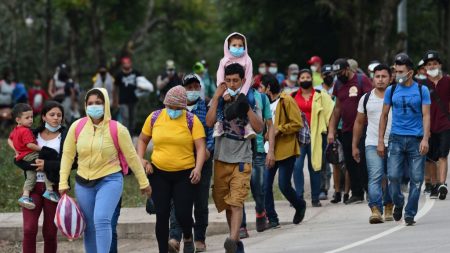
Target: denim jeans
{"points": [[376, 169], [200, 207], [98, 204], [257, 185], [114, 221], [299, 179], [405, 149], [285, 168]]}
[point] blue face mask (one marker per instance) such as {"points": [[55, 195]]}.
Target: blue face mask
{"points": [[174, 114], [193, 95], [52, 129], [237, 51], [95, 111], [233, 93]]}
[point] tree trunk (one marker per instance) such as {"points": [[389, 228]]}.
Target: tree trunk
{"points": [[74, 34], [97, 34], [48, 39]]}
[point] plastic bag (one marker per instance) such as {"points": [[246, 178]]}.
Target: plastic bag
{"points": [[69, 219]]}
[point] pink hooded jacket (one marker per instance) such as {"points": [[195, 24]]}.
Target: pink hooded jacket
{"points": [[244, 60]]}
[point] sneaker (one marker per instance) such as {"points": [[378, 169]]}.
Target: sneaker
{"points": [[273, 225], [26, 202], [200, 246], [442, 191], [427, 189], [249, 133], [218, 129], [243, 233], [336, 198], [261, 222], [354, 200], [323, 196], [299, 215], [174, 246], [346, 197], [376, 217], [51, 195], [409, 221], [398, 212], [240, 247], [388, 212], [434, 192], [230, 245], [188, 246], [316, 204]]}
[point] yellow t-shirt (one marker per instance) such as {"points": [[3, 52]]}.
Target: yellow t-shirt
{"points": [[173, 142]]}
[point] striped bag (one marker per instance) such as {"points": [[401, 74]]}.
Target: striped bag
{"points": [[68, 218]]}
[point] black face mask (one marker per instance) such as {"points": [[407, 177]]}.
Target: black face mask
{"points": [[342, 78], [328, 80], [306, 84]]}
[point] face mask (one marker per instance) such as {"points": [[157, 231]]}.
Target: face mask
{"points": [[343, 78], [421, 77], [237, 51], [52, 129], [192, 95], [95, 111], [401, 78], [293, 78], [174, 114], [191, 107], [433, 72], [306, 84], [233, 93], [372, 75], [328, 80], [273, 70], [313, 68], [262, 70]]}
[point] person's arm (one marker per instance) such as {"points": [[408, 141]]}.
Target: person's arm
{"points": [[255, 121], [294, 123], [382, 129], [11, 145], [200, 148], [211, 116], [51, 85], [68, 157], [426, 129], [270, 158], [357, 133], [33, 147], [161, 83], [135, 164], [248, 76], [335, 116]]}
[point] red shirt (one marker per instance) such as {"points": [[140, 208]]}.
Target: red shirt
{"points": [[349, 95], [305, 105], [439, 120], [20, 137]]}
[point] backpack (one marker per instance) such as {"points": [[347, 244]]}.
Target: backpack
{"points": [[365, 101], [115, 137], [189, 119]]}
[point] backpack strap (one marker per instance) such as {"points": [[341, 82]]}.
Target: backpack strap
{"points": [[420, 92], [359, 80], [80, 127], [366, 99], [190, 120], [155, 116], [393, 86], [113, 130]]}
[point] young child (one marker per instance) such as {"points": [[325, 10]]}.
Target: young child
{"points": [[23, 142], [235, 50]]}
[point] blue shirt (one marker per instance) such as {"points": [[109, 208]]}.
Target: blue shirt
{"points": [[200, 111], [407, 108], [264, 105]]}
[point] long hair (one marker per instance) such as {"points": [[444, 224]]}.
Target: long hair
{"points": [[48, 106]]}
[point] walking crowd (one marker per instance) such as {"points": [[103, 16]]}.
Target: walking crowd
{"points": [[378, 134]]}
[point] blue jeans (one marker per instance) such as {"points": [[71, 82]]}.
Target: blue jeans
{"points": [[314, 176], [285, 168], [405, 149], [376, 169], [114, 221], [98, 204], [201, 210], [257, 185]]}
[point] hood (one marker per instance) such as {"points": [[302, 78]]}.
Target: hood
{"points": [[107, 115], [226, 51]]}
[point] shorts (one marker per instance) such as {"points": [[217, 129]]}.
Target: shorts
{"points": [[439, 145], [231, 184]]}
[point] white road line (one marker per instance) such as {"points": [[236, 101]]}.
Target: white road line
{"points": [[423, 211]]}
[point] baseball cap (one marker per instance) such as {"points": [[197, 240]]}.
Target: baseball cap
{"points": [[431, 55], [170, 64], [190, 78], [372, 65], [315, 59], [305, 71], [403, 59], [327, 69], [340, 64], [125, 59], [420, 64]]}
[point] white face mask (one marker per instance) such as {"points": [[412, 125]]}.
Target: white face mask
{"points": [[273, 70], [313, 68], [433, 72], [262, 70]]}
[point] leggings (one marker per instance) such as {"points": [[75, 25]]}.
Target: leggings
{"points": [[31, 222], [174, 186], [98, 204]]}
